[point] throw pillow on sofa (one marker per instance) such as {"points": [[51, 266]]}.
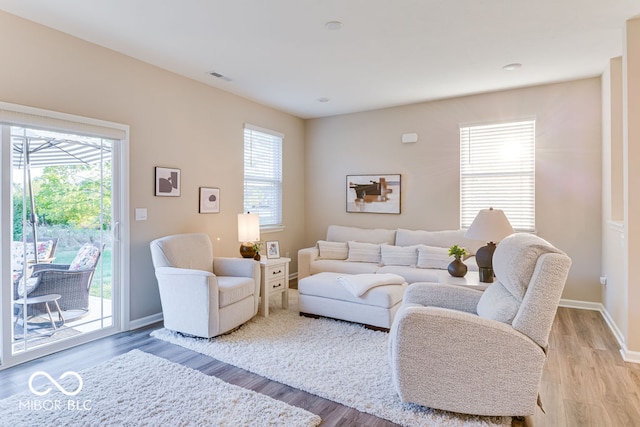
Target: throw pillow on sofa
{"points": [[332, 250], [434, 257], [397, 255], [364, 252]]}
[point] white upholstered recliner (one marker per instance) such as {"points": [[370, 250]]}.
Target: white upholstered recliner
{"points": [[462, 350], [203, 295]]}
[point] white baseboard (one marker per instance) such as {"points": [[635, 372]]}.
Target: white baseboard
{"points": [[145, 321], [627, 356]]}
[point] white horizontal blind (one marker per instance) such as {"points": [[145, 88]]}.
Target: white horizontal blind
{"points": [[497, 169], [263, 174]]}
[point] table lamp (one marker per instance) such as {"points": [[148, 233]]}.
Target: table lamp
{"points": [[248, 233], [490, 225]]}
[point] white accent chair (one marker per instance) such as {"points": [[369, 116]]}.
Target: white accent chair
{"points": [[203, 295], [462, 350]]}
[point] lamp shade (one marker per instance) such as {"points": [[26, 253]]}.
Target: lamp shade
{"points": [[490, 225], [248, 227]]}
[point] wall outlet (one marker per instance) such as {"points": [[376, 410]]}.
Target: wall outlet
{"points": [[603, 280]]}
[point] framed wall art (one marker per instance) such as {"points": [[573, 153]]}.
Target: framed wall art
{"points": [[167, 182], [373, 193], [209, 200]]}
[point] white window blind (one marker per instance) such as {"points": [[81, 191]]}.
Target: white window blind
{"points": [[263, 174], [497, 169]]}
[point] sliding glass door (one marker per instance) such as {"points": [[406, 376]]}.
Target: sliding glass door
{"points": [[63, 241]]}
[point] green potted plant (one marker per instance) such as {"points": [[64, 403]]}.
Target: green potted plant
{"points": [[457, 268], [257, 246]]}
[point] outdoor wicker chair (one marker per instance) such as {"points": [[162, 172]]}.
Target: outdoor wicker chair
{"points": [[70, 281]]}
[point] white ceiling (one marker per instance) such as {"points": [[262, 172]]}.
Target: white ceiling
{"points": [[279, 53]]}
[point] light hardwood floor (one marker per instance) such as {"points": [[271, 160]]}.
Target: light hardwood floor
{"points": [[585, 382]]}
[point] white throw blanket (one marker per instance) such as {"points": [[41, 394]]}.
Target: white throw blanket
{"points": [[358, 284]]}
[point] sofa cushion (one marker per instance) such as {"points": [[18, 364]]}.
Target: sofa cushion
{"points": [[326, 285], [412, 274], [397, 255], [342, 266], [497, 303], [364, 252], [232, 289], [434, 257], [340, 233], [332, 250], [442, 239]]}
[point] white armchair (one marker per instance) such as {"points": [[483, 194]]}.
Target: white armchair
{"points": [[203, 295], [462, 350]]}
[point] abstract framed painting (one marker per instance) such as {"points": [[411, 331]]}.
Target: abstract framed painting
{"points": [[167, 182], [209, 200], [373, 193]]}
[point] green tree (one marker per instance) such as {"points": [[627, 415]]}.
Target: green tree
{"points": [[70, 195]]}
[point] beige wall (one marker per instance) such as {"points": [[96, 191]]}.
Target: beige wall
{"points": [[568, 166], [173, 121]]}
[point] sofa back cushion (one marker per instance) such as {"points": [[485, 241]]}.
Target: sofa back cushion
{"points": [[433, 257], [364, 252], [442, 239], [332, 250], [397, 255], [340, 233]]}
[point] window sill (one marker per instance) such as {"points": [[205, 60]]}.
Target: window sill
{"points": [[271, 229]]}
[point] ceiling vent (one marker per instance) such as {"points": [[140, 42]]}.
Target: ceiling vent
{"points": [[219, 76]]}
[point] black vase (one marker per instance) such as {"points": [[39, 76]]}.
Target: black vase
{"points": [[457, 268]]}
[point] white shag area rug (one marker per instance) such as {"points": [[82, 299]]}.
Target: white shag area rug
{"points": [[339, 361], [139, 389]]}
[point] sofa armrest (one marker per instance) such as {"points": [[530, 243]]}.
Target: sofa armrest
{"points": [[305, 257], [443, 295], [465, 359]]}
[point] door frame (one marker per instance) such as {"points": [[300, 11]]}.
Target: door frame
{"points": [[19, 115]]}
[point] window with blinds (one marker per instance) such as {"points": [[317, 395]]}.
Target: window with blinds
{"points": [[497, 169], [263, 174]]}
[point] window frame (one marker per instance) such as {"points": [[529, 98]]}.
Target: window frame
{"points": [[272, 175], [499, 162]]}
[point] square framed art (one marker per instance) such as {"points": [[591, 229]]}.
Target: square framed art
{"points": [[167, 182]]}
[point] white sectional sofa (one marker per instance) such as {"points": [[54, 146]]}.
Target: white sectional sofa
{"points": [[416, 255]]}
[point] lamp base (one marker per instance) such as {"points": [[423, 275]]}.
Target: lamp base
{"points": [[247, 250], [486, 275], [484, 258]]}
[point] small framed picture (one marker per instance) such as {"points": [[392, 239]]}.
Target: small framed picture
{"points": [[167, 182], [273, 249], [209, 200]]}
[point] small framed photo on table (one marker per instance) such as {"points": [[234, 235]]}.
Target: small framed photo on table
{"points": [[273, 249]]}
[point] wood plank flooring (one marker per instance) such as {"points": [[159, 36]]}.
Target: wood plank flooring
{"points": [[585, 382]]}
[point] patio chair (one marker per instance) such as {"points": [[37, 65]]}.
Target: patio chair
{"points": [[71, 281], [46, 251]]}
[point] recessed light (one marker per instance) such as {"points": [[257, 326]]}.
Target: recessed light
{"points": [[333, 25], [512, 67], [323, 99]]}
